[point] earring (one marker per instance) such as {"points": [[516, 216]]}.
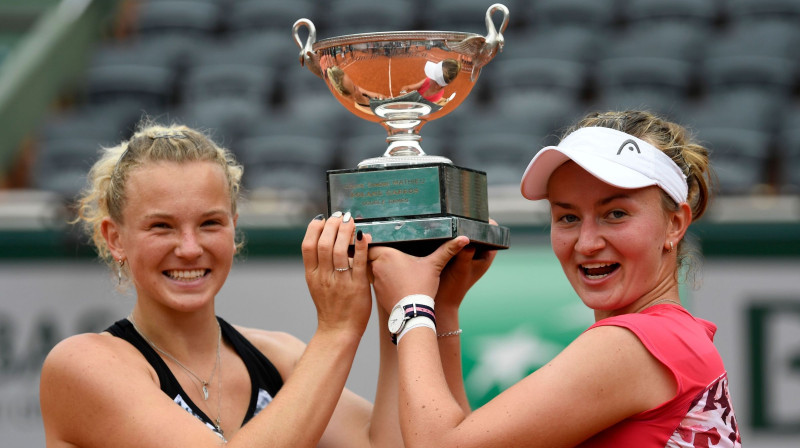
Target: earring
{"points": [[121, 262], [671, 247]]}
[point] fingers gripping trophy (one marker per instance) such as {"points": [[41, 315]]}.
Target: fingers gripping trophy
{"points": [[403, 79]]}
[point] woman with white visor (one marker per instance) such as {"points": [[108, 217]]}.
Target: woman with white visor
{"points": [[623, 189]]}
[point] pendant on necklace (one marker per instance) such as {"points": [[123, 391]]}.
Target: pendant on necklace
{"points": [[205, 391], [217, 424]]}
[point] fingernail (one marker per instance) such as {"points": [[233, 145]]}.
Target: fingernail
{"points": [[336, 214], [346, 217], [319, 217], [359, 235]]}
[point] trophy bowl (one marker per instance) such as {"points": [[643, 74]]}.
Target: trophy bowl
{"points": [[402, 80]]}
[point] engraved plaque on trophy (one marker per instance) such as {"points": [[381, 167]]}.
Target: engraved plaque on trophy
{"points": [[401, 80]]}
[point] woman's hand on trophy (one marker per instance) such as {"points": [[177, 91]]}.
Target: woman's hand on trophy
{"points": [[397, 274], [338, 284], [463, 271]]}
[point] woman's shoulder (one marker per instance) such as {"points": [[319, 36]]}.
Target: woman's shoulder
{"points": [[86, 367], [92, 353], [663, 321], [87, 345]]}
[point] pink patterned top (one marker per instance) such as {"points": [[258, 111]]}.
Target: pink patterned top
{"points": [[701, 413]]}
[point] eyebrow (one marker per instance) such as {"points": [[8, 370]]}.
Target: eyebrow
{"points": [[168, 216], [603, 201]]}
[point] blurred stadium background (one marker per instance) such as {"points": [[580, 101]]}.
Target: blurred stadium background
{"points": [[78, 74]]}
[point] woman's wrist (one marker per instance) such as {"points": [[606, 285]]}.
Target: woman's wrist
{"points": [[416, 309], [447, 316], [342, 334], [416, 322]]}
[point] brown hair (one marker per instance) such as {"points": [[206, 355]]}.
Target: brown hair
{"points": [[104, 195], [450, 69]]}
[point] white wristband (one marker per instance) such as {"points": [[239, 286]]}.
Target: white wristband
{"points": [[419, 299], [414, 322]]}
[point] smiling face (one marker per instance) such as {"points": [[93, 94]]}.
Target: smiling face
{"points": [[610, 241], [177, 234]]}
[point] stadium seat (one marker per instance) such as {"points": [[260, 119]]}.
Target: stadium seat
{"points": [[69, 142], [502, 156], [566, 43], [144, 69], [187, 17], [651, 100], [272, 48], [366, 16], [670, 40], [540, 117], [319, 124], [759, 55], [259, 15], [151, 86], [776, 39], [300, 89], [292, 167], [105, 125], [768, 74], [236, 81], [352, 150], [789, 171], [544, 75], [697, 13], [225, 119], [62, 164], [466, 16], [708, 64], [739, 157], [763, 10], [596, 15], [742, 109], [788, 153], [657, 84], [740, 127]]}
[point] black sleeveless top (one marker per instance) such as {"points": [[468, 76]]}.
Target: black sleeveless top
{"points": [[265, 379]]}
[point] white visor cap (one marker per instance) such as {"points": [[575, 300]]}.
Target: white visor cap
{"points": [[434, 71], [616, 158]]}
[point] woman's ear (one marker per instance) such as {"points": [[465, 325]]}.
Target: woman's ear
{"points": [[679, 223], [110, 231]]}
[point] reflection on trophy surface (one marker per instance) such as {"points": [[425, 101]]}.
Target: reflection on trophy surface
{"points": [[402, 80]]}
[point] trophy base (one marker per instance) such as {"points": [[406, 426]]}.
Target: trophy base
{"points": [[417, 207], [422, 236]]}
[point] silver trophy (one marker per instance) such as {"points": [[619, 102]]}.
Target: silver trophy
{"points": [[403, 79]]}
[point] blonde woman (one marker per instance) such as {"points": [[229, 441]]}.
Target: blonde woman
{"points": [[161, 209]]}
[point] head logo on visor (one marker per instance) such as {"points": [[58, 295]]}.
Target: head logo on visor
{"points": [[616, 158], [629, 145]]}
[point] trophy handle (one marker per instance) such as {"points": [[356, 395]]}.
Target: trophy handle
{"points": [[494, 40], [493, 37], [483, 48], [307, 55]]}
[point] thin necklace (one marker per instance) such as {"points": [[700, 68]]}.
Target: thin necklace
{"points": [[218, 362], [674, 302]]}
